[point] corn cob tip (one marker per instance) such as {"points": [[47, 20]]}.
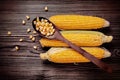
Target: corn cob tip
{"points": [[43, 56], [106, 24], [107, 39], [106, 54]]}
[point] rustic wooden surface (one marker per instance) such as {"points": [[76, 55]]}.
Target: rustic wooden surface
{"points": [[24, 65]]}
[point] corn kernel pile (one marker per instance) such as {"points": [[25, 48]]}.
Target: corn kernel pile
{"points": [[44, 27]]}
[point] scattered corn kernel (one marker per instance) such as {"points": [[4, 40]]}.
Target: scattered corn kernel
{"points": [[23, 22], [9, 33], [35, 47], [20, 39], [16, 48], [31, 36], [46, 8], [34, 32], [28, 17], [33, 39], [28, 30]]}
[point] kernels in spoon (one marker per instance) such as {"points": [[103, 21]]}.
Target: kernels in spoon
{"points": [[35, 22], [48, 34], [37, 28], [50, 24], [45, 20], [41, 27], [37, 19], [38, 24], [42, 20], [44, 33], [46, 24], [42, 23]]}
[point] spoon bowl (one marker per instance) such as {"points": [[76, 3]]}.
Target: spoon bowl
{"points": [[49, 37]]}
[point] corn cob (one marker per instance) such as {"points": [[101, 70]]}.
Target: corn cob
{"points": [[80, 38], [78, 22], [68, 55]]}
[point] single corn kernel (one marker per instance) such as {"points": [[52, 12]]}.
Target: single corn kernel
{"points": [[34, 32], [37, 19], [20, 39], [28, 17], [38, 24], [28, 30], [35, 47], [9, 33], [23, 22], [16, 48], [46, 8], [45, 20], [37, 28], [33, 39], [31, 36], [42, 20]]}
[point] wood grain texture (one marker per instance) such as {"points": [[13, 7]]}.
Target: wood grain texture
{"points": [[24, 65]]}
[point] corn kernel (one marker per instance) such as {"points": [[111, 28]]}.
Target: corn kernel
{"points": [[20, 39], [31, 36], [33, 39], [34, 32], [23, 22], [28, 17], [42, 20], [9, 33], [35, 22], [28, 30], [46, 8], [37, 28], [16, 48], [35, 47], [37, 19]]}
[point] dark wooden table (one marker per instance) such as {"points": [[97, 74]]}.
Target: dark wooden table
{"points": [[24, 65]]}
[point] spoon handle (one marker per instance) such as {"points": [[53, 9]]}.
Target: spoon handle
{"points": [[93, 59]]}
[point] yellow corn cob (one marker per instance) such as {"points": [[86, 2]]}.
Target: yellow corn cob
{"points": [[78, 22], [80, 38], [68, 55]]}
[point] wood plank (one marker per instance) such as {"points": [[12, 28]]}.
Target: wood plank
{"points": [[24, 65]]}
